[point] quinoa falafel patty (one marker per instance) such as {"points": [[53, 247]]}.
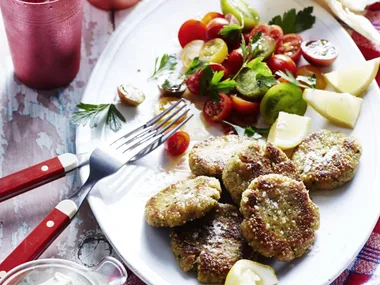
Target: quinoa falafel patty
{"points": [[183, 201], [210, 156], [280, 220], [210, 245], [326, 160], [251, 162]]}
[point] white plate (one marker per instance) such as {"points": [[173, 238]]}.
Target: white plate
{"points": [[347, 215]]}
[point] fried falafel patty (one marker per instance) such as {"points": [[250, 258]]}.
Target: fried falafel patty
{"points": [[280, 220], [251, 162], [327, 160], [210, 156], [183, 201], [210, 245]]}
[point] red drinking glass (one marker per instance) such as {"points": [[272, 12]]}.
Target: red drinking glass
{"points": [[45, 40], [113, 4]]}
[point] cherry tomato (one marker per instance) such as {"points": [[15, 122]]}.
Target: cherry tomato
{"points": [[320, 52], [210, 16], [193, 80], [282, 80], [213, 28], [282, 62], [214, 50], [232, 19], [374, 7], [234, 39], [244, 107], [217, 111], [234, 61], [290, 45], [273, 31], [247, 37], [178, 143], [191, 30], [309, 70]]}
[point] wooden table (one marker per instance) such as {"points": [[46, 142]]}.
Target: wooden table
{"points": [[34, 126]]}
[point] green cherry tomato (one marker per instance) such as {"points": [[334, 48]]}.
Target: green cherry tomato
{"points": [[284, 97], [240, 8]]}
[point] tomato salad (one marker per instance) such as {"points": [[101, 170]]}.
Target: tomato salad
{"points": [[245, 68]]}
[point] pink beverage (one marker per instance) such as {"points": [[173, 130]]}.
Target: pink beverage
{"points": [[113, 4], [44, 39]]}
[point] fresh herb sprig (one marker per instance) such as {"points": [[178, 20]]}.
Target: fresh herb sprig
{"points": [[250, 131], [293, 22], [232, 32], [166, 64], [195, 66], [301, 81], [211, 83], [92, 114]]}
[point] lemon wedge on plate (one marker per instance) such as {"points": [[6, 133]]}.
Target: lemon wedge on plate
{"points": [[354, 79], [342, 109], [247, 272], [289, 130]]}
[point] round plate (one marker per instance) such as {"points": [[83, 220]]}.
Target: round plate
{"points": [[348, 215]]}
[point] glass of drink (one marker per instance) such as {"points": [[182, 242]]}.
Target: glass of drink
{"points": [[113, 4], [45, 40]]}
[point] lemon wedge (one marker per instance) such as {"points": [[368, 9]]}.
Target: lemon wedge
{"points": [[247, 272], [341, 109], [289, 130], [355, 79]]}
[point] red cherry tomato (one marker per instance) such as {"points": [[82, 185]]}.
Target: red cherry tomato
{"points": [[193, 80], [273, 31], [320, 52], [213, 28], [282, 62], [217, 111], [374, 7], [244, 107], [309, 70], [178, 143], [290, 45], [247, 37], [191, 30], [210, 16], [234, 61]]}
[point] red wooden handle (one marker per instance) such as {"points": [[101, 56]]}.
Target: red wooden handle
{"points": [[30, 178], [37, 241]]}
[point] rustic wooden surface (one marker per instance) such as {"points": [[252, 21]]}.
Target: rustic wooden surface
{"points": [[34, 126]]}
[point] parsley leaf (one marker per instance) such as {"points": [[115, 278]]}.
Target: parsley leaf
{"points": [[311, 82], [243, 49], [265, 81], [250, 131], [92, 114], [231, 32], [167, 63], [211, 83], [195, 66], [293, 22]]}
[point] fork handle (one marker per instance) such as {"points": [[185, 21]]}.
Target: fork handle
{"points": [[41, 237], [36, 175]]}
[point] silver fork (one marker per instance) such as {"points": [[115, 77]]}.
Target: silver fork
{"points": [[104, 161]]}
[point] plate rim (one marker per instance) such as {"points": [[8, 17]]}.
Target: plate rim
{"points": [[144, 9]]}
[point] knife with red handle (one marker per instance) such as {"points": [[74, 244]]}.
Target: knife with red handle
{"points": [[39, 174]]}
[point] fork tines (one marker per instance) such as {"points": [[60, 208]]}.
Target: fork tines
{"points": [[156, 131]]}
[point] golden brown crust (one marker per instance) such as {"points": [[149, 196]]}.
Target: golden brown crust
{"points": [[327, 160], [210, 245], [210, 156], [251, 162], [280, 220], [182, 202]]}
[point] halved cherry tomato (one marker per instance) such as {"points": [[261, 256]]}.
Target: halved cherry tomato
{"points": [[309, 70], [290, 45], [320, 52], [210, 16], [234, 61], [244, 107], [178, 143], [193, 80], [217, 111], [191, 30], [282, 62], [214, 50], [273, 31], [214, 27]]}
